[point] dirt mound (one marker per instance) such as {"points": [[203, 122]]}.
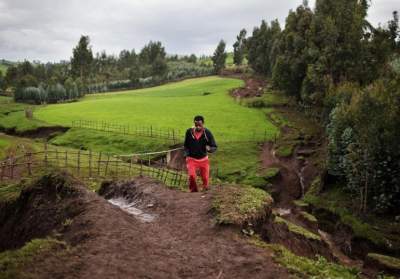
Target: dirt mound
{"points": [[109, 239], [286, 187], [254, 88], [40, 210], [40, 132]]}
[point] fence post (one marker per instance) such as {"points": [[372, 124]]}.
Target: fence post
{"points": [[130, 166], [57, 157], [98, 164], [3, 168], [79, 162], [29, 163], [180, 178], [108, 160], [116, 167], [90, 162], [45, 154]]}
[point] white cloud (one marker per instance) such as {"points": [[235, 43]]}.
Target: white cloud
{"points": [[48, 29]]}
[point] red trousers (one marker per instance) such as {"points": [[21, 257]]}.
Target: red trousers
{"points": [[203, 165]]}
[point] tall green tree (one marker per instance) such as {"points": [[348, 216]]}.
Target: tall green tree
{"points": [[239, 47], [153, 58], [219, 57], [292, 55], [2, 87], [262, 47], [82, 59]]}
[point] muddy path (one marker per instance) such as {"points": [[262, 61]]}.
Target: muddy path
{"points": [[165, 234]]}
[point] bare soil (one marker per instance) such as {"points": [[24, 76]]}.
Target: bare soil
{"points": [[181, 242], [254, 87], [40, 132]]}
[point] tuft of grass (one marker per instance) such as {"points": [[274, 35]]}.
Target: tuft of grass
{"points": [[4, 145], [236, 162], [285, 150], [10, 192], [390, 262], [108, 142], [255, 180], [300, 203], [269, 99], [18, 121], [309, 217], [297, 229], [336, 201], [303, 267], [271, 173], [314, 189], [238, 204], [13, 261]]}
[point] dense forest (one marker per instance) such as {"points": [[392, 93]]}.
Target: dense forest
{"points": [[87, 73], [345, 72]]}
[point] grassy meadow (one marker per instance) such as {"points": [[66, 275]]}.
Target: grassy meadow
{"points": [[164, 107], [3, 68], [168, 106]]}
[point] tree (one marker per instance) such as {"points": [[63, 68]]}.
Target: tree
{"points": [[151, 52], [393, 28], [262, 47], [11, 76], [152, 57], [1, 81], [239, 47], [219, 57], [82, 59], [192, 59], [291, 51], [134, 75]]}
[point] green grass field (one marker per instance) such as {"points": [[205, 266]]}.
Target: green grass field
{"points": [[168, 106], [3, 68]]}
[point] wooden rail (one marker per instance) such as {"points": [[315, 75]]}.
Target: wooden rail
{"points": [[89, 164]]}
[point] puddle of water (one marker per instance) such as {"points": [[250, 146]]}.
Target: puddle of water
{"points": [[131, 209]]}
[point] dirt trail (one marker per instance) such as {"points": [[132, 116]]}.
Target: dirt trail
{"points": [[181, 242]]}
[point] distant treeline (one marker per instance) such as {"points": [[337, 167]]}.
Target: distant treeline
{"points": [[345, 72], [86, 73]]}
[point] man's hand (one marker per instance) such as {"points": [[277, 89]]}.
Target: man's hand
{"points": [[210, 149]]}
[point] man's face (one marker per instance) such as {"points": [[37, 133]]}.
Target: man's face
{"points": [[198, 124]]}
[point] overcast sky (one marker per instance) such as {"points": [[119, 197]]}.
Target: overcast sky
{"points": [[47, 30]]}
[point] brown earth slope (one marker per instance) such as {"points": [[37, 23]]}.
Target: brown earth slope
{"points": [[177, 239]]}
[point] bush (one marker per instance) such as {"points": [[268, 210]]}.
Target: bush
{"points": [[50, 94], [363, 143]]}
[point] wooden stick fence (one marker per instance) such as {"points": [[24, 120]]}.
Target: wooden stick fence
{"points": [[89, 164], [143, 131], [170, 134]]}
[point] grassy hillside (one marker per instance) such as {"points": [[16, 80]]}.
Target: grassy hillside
{"points": [[168, 106], [3, 68]]}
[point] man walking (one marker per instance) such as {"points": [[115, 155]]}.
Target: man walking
{"points": [[198, 142]]}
